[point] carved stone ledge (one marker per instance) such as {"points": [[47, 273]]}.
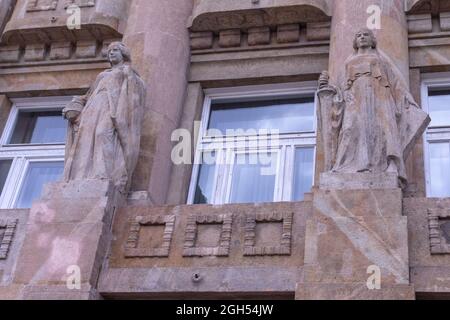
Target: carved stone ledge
{"points": [[213, 15], [427, 6], [192, 230], [57, 52], [420, 23], [132, 249], [285, 34], [281, 249], [45, 21], [7, 230], [439, 225]]}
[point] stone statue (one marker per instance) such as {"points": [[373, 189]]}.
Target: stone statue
{"points": [[105, 124], [371, 123]]}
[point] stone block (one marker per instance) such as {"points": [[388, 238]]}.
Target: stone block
{"points": [[258, 36], [201, 40], [445, 21], [316, 31], [288, 33], [35, 52], [352, 291], [353, 230], [230, 38], [86, 49], [419, 23], [358, 181], [60, 51], [9, 53]]}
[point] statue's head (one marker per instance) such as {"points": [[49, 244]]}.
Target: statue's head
{"points": [[118, 52], [364, 39]]}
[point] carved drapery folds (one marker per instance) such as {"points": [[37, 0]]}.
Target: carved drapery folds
{"points": [[370, 123]]}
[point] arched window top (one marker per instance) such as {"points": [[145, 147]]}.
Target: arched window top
{"points": [[213, 15]]}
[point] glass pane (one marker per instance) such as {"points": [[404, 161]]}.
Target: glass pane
{"points": [[39, 128], [253, 179], [286, 116], [439, 104], [5, 166], [303, 172], [39, 173], [439, 170], [205, 184]]}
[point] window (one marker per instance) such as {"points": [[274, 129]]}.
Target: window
{"points": [[31, 150], [436, 100], [256, 144]]}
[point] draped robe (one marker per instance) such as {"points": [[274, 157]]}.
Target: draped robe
{"points": [[373, 121], [104, 141]]}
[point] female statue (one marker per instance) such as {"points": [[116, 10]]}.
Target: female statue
{"points": [[370, 125], [105, 124]]}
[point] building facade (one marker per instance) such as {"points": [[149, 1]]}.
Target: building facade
{"points": [[202, 219]]}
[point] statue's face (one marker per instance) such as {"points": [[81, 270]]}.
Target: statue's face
{"points": [[364, 39], [115, 55]]}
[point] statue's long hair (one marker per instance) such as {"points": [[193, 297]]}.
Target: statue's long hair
{"points": [[123, 48]]}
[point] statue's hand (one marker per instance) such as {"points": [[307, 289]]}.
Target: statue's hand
{"points": [[324, 80], [72, 115]]}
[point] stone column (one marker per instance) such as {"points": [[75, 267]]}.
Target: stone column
{"points": [[6, 7], [349, 16], [357, 234], [157, 32]]}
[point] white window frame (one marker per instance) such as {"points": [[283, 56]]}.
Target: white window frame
{"points": [[286, 148], [439, 80], [23, 155]]}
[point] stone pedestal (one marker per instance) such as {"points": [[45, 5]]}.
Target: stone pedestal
{"points": [[352, 233], [67, 239]]}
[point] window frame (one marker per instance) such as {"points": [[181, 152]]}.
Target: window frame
{"points": [[23, 155], [284, 181], [439, 80]]}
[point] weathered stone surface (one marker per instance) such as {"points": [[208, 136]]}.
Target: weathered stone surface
{"points": [[358, 181], [65, 235], [201, 40], [420, 23], [233, 272], [351, 231], [353, 291], [288, 33], [258, 36], [230, 38]]}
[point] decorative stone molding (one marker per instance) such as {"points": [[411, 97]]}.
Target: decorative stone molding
{"points": [[261, 36], [281, 249], [222, 250], [80, 3], [7, 230], [419, 23], [42, 5], [213, 15], [439, 225], [132, 249], [427, 6], [45, 21], [54, 53]]}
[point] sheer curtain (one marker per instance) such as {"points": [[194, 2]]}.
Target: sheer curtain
{"points": [[303, 175], [251, 183], [39, 173], [440, 169]]}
